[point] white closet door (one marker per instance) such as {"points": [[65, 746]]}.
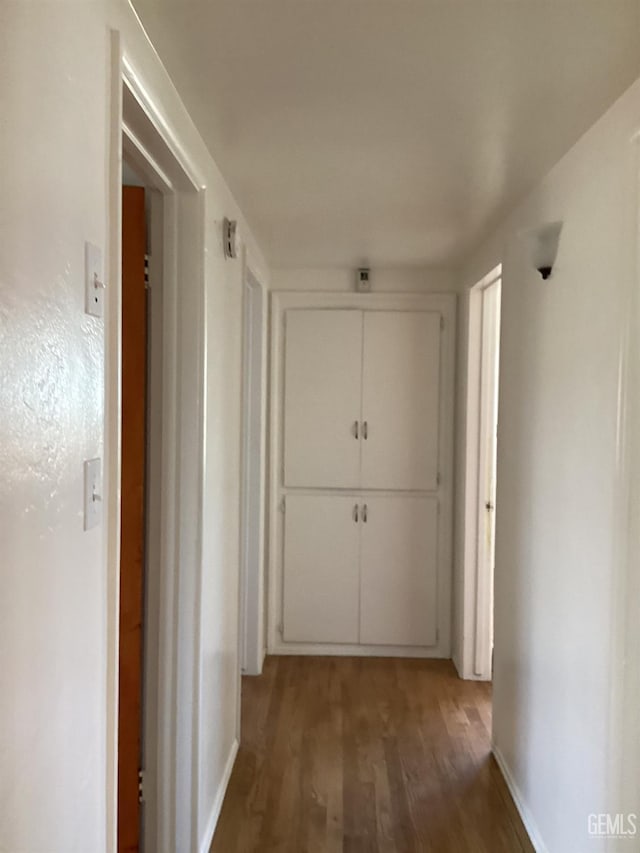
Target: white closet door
{"points": [[321, 569], [399, 560], [322, 386], [401, 400]]}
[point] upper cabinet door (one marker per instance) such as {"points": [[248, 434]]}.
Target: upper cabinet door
{"points": [[401, 400], [322, 387]]}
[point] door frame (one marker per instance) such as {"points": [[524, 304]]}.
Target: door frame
{"points": [[624, 761], [137, 126], [477, 601], [251, 633], [281, 301]]}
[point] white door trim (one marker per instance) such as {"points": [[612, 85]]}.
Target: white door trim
{"points": [[136, 122], [623, 785], [476, 599], [445, 304], [251, 632]]}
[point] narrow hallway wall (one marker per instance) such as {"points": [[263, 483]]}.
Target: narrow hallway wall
{"points": [[57, 614], [562, 521]]}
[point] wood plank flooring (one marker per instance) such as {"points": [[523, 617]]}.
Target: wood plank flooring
{"points": [[366, 755]]}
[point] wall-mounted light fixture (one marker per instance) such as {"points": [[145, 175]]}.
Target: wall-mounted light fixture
{"points": [[543, 246], [230, 238]]}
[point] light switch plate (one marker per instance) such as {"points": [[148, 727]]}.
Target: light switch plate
{"points": [[92, 493], [94, 280]]}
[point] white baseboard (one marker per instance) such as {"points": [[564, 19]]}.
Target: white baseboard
{"points": [[219, 799], [254, 662], [354, 650], [470, 675], [464, 667], [527, 818], [456, 663]]}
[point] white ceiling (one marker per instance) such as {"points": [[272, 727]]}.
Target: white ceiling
{"points": [[389, 131]]}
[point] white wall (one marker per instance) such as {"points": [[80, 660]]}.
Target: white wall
{"points": [[54, 634], [561, 520], [396, 279]]}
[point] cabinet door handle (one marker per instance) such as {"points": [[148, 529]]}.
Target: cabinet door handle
{"points": [[356, 513], [365, 511], [365, 430], [355, 429]]}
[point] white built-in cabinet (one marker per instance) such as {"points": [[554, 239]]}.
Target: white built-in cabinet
{"points": [[361, 570], [362, 396], [362, 399]]}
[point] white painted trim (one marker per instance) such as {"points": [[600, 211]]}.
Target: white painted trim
{"points": [[137, 119], [456, 662], [140, 158], [112, 444], [623, 784], [251, 637], [442, 302], [488, 415], [467, 647], [259, 272], [527, 818], [135, 83], [445, 304], [154, 498], [356, 650], [212, 822]]}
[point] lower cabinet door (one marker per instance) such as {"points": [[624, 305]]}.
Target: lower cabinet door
{"points": [[398, 581], [321, 569]]}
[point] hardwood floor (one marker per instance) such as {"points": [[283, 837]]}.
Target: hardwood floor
{"points": [[366, 754]]}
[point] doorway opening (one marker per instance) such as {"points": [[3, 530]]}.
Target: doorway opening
{"points": [[154, 391], [483, 370], [141, 390]]}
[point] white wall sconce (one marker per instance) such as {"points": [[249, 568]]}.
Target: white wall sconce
{"points": [[230, 238], [543, 246]]}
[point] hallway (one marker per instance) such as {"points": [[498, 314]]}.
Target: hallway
{"points": [[366, 754], [305, 457]]}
